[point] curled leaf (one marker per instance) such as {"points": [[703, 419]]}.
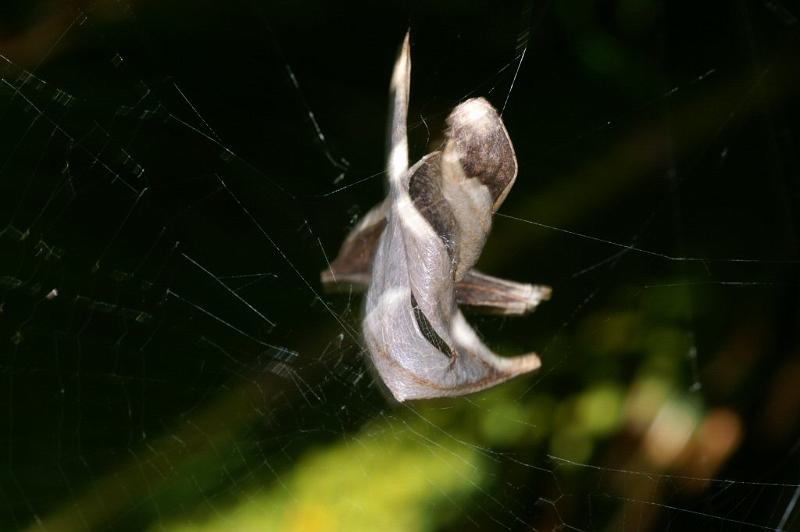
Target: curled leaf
{"points": [[417, 249]]}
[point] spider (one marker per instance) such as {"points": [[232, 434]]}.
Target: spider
{"points": [[415, 252]]}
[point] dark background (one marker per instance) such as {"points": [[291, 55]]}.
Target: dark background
{"points": [[160, 163]]}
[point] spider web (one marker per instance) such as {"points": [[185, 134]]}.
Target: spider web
{"points": [[173, 178]]}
